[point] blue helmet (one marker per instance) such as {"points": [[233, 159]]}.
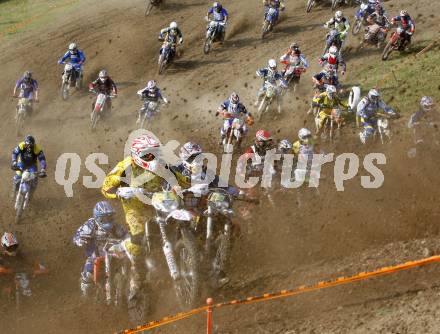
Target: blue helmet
{"points": [[103, 209]]}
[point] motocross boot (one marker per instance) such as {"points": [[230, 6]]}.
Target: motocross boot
{"points": [[137, 277]]}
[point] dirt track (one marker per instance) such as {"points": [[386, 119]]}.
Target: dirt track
{"points": [[297, 246]]}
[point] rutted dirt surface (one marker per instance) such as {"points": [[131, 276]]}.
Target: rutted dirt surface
{"points": [[340, 233]]}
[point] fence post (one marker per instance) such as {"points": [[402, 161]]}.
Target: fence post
{"points": [[209, 302]]}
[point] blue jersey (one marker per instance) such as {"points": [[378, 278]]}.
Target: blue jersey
{"points": [[27, 87], [218, 16], [237, 110], [75, 58], [27, 157]]}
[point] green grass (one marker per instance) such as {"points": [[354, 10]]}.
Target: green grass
{"points": [[404, 78], [20, 15]]}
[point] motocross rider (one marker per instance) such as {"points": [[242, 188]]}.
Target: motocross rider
{"points": [[334, 58], [326, 102], [92, 235], [150, 93], [424, 121], [327, 76], [26, 156], [231, 109], [139, 170], [27, 87], [377, 19], [262, 144], [105, 85], [218, 13], [75, 56], [406, 23], [367, 110], [276, 4], [172, 35], [11, 258], [270, 76], [294, 58], [340, 23]]}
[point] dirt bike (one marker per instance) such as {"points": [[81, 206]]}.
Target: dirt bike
{"points": [[233, 127], [19, 289], [382, 128], [360, 19], [272, 92], [397, 42], [375, 35], [213, 34], [147, 112], [173, 227], [269, 21], [26, 188], [166, 56], [333, 38], [291, 78], [150, 4], [72, 77], [332, 124], [23, 109], [99, 109]]}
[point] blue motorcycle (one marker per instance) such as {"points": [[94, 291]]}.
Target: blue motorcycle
{"points": [[360, 18], [270, 19], [26, 188], [166, 55]]}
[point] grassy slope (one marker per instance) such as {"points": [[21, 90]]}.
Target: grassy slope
{"points": [[20, 15], [404, 78]]}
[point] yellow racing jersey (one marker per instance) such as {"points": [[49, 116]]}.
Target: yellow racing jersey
{"points": [[329, 104]]}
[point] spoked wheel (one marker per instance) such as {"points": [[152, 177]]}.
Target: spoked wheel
{"points": [[162, 65], [207, 46], [188, 285], [334, 4], [65, 91], [94, 120], [19, 123], [223, 245], [144, 121], [356, 27], [387, 51], [265, 29], [19, 207], [148, 7], [310, 5]]}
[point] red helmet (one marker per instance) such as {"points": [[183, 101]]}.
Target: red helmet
{"points": [[144, 150], [263, 135]]}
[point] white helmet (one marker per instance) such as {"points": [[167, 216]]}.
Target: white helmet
{"points": [[72, 47], [304, 134], [189, 151], [373, 94], [333, 50], [151, 84], [338, 15], [331, 90], [284, 145], [427, 102], [173, 25], [272, 63], [144, 151], [9, 243]]}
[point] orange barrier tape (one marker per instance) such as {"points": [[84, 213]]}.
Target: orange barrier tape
{"points": [[287, 293]]}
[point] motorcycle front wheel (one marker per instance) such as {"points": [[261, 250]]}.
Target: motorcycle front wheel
{"points": [[265, 29], [19, 123], [19, 201], [356, 27], [310, 4], [387, 51], [207, 46], [94, 120], [64, 91], [188, 285]]}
